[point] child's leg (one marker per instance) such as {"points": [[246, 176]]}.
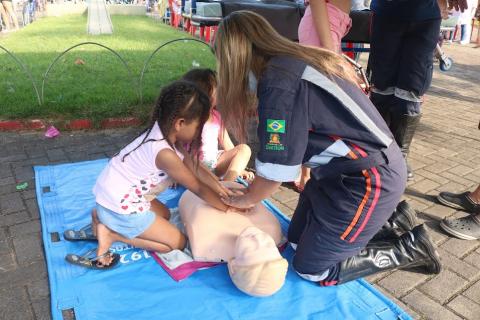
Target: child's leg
{"points": [[159, 209], [232, 162], [161, 236], [150, 231]]}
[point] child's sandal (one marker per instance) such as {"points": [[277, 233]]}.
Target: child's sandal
{"points": [[84, 234], [93, 263]]}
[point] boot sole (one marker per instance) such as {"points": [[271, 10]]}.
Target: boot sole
{"points": [[432, 252], [455, 233]]}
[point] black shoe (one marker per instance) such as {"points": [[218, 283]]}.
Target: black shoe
{"points": [[460, 201], [413, 249], [403, 219], [466, 228]]}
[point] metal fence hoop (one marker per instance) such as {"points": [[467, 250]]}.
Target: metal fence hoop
{"points": [[147, 62], [87, 43], [25, 70]]}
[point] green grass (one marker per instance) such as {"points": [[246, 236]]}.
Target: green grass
{"points": [[102, 86]]}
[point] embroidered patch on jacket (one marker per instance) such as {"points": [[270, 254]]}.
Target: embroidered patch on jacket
{"points": [[274, 144], [276, 126]]}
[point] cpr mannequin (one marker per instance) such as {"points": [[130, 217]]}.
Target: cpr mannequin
{"points": [[247, 241], [212, 233]]}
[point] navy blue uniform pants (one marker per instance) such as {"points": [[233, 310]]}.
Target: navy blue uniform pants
{"points": [[401, 56], [336, 217], [402, 53]]}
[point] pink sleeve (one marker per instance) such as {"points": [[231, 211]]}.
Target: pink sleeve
{"points": [[217, 117]]}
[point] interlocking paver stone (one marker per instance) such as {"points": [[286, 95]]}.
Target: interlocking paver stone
{"points": [[473, 259], [5, 171], [28, 249], [19, 230], [23, 275], [14, 305], [23, 174], [459, 247], [467, 268], [425, 185], [8, 188], [14, 218], [42, 310], [285, 195], [6, 181], [443, 286], [428, 308], [38, 290], [457, 179], [439, 211], [465, 307], [283, 208], [461, 170], [5, 247], [11, 203], [7, 263], [400, 282], [437, 166], [29, 193], [473, 293], [432, 176], [32, 208]]}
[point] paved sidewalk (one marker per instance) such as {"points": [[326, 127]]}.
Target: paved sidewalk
{"points": [[445, 156], [99, 21]]}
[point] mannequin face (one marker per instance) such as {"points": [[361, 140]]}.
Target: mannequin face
{"points": [[255, 246]]}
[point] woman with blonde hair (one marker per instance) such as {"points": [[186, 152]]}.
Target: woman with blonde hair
{"points": [[311, 111]]}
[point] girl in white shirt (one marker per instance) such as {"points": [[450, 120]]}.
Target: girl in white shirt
{"points": [[125, 191]]}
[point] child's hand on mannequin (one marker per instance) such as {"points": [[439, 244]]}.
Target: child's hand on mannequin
{"points": [[239, 201]]}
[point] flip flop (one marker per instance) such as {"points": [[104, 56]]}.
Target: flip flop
{"points": [[92, 263], [84, 234]]}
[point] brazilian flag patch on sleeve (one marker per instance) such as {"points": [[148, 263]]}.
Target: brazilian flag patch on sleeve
{"points": [[275, 126]]}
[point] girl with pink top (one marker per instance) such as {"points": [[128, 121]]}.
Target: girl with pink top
{"points": [[218, 152], [127, 209], [323, 25]]}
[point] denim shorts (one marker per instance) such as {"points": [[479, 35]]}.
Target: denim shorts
{"points": [[128, 225]]}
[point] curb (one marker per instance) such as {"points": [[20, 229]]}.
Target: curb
{"points": [[77, 124]]}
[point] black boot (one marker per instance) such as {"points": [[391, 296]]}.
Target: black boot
{"points": [[412, 249], [383, 104], [403, 128], [403, 219]]}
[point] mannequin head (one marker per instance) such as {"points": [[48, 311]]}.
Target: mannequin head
{"points": [[257, 269]]}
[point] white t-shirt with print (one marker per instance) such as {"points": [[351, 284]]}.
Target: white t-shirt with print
{"points": [[128, 187]]}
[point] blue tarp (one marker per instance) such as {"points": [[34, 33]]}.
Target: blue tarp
{"points": [[140, 289]]}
